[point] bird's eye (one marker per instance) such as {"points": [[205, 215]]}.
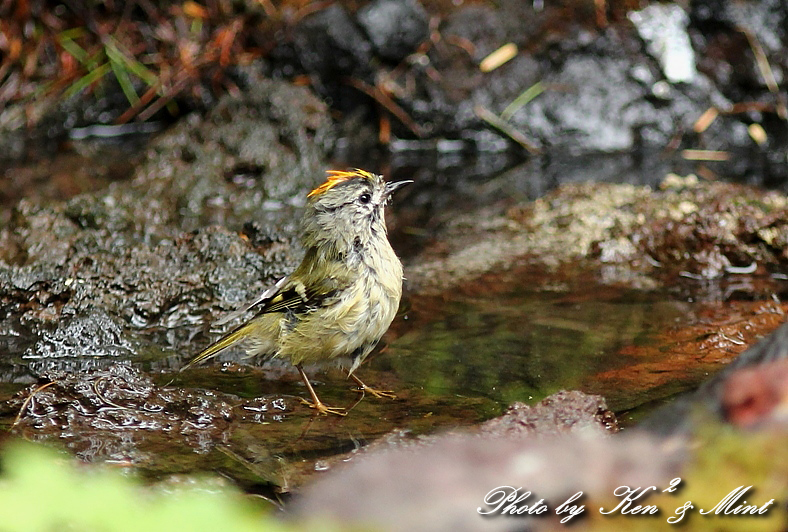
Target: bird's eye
{"points": [[365, 198]]}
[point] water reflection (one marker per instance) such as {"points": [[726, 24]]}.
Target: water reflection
{"points": [[522, 344]]}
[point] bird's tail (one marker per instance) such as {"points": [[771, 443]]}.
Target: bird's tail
{"points": [[220, 345]]}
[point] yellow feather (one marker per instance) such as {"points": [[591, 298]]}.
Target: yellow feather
{"points": [[220, 345], [336, 177]]}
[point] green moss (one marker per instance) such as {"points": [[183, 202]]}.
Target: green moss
{"points": [[723, 459], [41, 490]]}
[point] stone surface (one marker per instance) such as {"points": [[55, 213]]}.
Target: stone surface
{"points": [[395, 27]]}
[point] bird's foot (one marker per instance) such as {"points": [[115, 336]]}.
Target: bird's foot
{"points": [[324, 409], [363, 388]]}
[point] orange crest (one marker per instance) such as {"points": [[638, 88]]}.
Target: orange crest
{"points": [[336, 177]]}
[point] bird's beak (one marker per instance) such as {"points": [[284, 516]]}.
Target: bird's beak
{"points": [[392, 186]]}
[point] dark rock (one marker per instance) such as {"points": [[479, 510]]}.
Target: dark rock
{"points": [[395, 27], [608, 102], [601, 91], [765, 19], [330, 46], [725, 53], [603, 116]]}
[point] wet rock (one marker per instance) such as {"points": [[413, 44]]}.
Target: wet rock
{"points": [[171, 283], [93, 334], [710, 231], [251, 158], [395, 27], [561, 413], [145, 250], [97, 403], [695, 229], [262, 409], [119, 398]]}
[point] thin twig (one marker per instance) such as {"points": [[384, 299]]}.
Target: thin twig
{"points": [[766, 71], [505, 128], [390, 105], [27, 401], [102, 397], [705, 155]]}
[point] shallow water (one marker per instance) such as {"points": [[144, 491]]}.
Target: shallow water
{"points": [[523, 344], [454, 359]]}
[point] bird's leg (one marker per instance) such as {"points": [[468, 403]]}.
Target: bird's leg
{"points": [[316, 403], [363, 388]]}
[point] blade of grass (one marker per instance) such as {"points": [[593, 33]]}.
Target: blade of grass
{"points": [[72, 33], [132, 111], [504, 127], [97, 59], [86, 80], [165, 99], [385, 100], [79, 53], [766, 71], [138, 69], [122, 75], [526, 96]]}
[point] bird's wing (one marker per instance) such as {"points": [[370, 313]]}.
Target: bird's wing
{"points": [[270, 294], [286, 294], [294, 296]]}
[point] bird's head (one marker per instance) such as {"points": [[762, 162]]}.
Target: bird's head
{"points": [[348, 208]]}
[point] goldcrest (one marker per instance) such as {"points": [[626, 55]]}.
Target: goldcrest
{"points": [[342, 297]]}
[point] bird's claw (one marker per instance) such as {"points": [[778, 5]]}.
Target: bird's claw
{"points": [[376, 393], [323, 409]]}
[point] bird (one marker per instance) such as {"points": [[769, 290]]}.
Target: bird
{"points": [[341, 299]]}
